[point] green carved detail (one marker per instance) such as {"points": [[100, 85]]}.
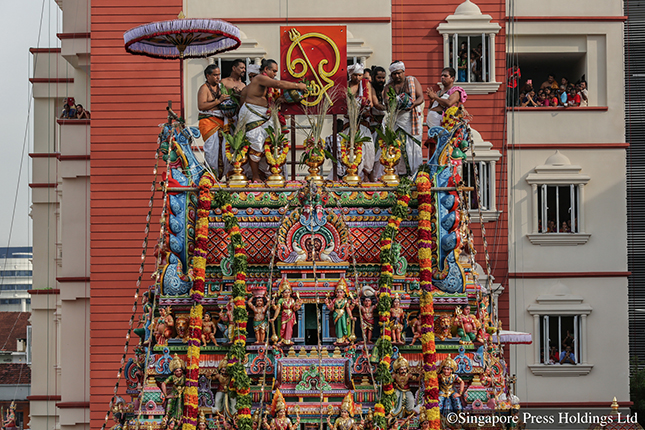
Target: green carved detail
{"points": [[310, 376]]}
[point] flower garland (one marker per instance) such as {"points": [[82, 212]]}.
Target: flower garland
{"points": [[425, 245], [191, 397], [384, 344], [385, 150], [344, 155], [275, 138], [241, 154], [240, 382]]}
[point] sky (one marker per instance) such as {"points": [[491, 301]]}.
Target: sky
{"points": [[21, 28]]}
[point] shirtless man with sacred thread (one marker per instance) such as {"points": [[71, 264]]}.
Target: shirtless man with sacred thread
{"points": [[254, 111]]}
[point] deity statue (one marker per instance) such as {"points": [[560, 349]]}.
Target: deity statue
{"points": [[223, 402], [486, 326], [424, 423], [226, 321], [260, 317], [172, 424], [397, 315], [415, 325], [345, 420], [280, 419], [208, 329], [404, 403], [139, 363], [449, 398], [367, 318], [118, 410], [9, 421], [175, 399], [147, 319], [286, 307], [342, 307], [468, 326], [164, 326], [201, 423]]}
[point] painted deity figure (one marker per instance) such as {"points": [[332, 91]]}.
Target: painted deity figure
{"points": [[9, 421], [147, 318], [226, 322], [208, 329], [424, 423], [367, 318], [164, 325], [404, 403], [202, 424], [415, 325], [449, 396], [175, 397], [397, 317], [280, 419], [286, 308], [467, 326], [345, 421], [118, 410], [260, 317], [223, 402], [342, 318]]}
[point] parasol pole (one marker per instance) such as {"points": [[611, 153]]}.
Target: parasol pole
{"points": [[181, 48]]}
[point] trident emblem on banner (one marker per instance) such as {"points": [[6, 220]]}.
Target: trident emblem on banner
{"points": [[322, 81]]}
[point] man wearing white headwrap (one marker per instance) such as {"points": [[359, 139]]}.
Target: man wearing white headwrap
{"points": [[361, 89], [356, 68], [409, 96], [397, 66]]}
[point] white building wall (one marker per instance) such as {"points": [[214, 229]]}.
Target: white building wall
{"points": [[594, 274]]}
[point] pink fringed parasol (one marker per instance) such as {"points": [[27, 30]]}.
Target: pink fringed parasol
{"points": [[182, 38]]}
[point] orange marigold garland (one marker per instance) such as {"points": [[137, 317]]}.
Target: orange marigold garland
{"points": [[384, 344], [197, 294], [240, 382], [425, 245]]}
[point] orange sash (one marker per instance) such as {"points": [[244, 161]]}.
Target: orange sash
{"points": [[209, 125]]}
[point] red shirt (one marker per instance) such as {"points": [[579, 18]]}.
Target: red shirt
{"points": [[513, 78]]}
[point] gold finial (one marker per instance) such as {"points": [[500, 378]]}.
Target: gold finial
{"points": [[181, 15], [614, 407]]}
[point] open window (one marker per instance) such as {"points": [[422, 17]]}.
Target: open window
{"points": [[558, 202], [469, 47], [560, 324], [480, 170]]}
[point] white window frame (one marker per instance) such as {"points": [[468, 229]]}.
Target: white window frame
{"points": [[557, 171], [552, 305], [484, 155], [474, 24]]}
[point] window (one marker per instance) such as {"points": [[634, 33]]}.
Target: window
{"points": [[485, 157], [560, 326], [471, 57], [558, 206], [469, 47], [557, 189], [14, 287], [560, 335], [15, 272], [482, 180]]}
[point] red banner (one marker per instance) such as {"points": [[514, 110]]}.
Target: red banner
{"points": [[318, 56]]}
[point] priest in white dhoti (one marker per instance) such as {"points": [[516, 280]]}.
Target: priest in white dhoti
{"points": [[409, 96]]}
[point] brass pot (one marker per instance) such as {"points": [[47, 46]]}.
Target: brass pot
{"points": [[390, 157], [314, 162], [237, 178]]}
